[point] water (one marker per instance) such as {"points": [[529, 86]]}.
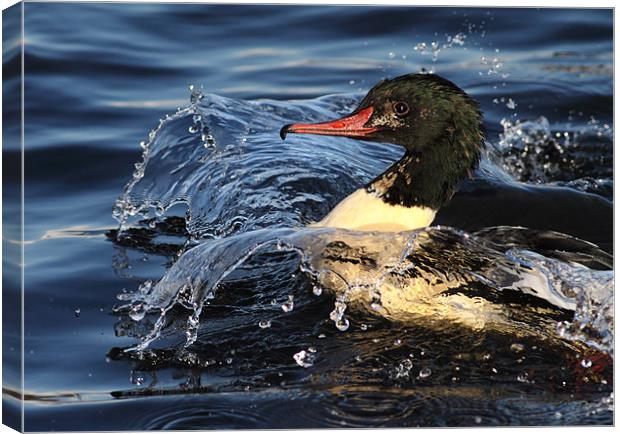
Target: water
{"points": [[209, 309]]}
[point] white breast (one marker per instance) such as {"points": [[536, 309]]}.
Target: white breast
{"points": [[363, 211]]}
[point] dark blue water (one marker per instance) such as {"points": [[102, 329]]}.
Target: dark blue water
{"points": [[98, 77]]}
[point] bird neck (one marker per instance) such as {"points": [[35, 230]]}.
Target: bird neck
{"points": [[418, 180]]}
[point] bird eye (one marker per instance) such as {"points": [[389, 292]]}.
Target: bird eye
{"points": [[401, 108]]}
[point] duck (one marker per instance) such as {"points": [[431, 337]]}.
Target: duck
{"points": [[442, 132], [440, 127]]}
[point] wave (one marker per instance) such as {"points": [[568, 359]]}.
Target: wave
{"points": [[244, 188]]}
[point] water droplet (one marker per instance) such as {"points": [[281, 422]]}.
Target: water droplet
{"points": [[342, 324], [403, 369], [305, 359], [337, 316], [193, 129], [558, 415], [523, 377], [478, 419], [191, 333], [391, 54], [425, 372], [317, 290], [77, 312], [288, 305], [264, 324], [137, 311], [364, 327], [137, 378], [586, 363], [229, 360], [517, 347]]}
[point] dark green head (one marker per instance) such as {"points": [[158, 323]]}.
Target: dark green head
{"points": [[437, 123], [418, 111]]}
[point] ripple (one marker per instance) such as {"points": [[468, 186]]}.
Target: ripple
{"points": [[224, 411]]}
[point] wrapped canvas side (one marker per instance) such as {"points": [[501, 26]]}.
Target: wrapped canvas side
{"points": [[12, 217]]}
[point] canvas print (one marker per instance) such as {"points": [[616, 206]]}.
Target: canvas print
{"points": [[222, 216]]}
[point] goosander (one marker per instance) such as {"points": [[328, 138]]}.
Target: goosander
{"points": [[440, 127]]}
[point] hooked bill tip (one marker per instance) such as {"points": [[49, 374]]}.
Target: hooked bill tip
{"points": [[284, 131]]}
